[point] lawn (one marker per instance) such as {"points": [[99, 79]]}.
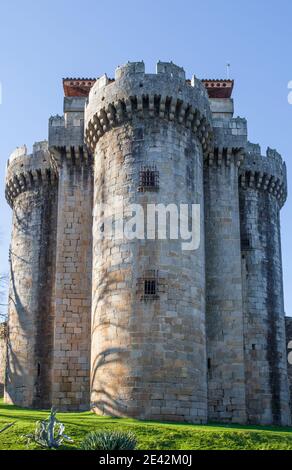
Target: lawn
{"points": [[150, 435]]}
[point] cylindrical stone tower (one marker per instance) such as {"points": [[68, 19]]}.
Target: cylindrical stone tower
{"points": [[148, 134], [263, 190], [31, 190]]}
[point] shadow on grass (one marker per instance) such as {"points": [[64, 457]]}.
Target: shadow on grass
{"points": [[82, 419]]}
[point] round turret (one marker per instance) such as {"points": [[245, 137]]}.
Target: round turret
{"points": [[31, 191], [26, 172], [264, 173], [262, 193], [148, 134], [166, 95]]}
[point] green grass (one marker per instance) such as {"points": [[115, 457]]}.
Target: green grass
{"points": [[150, 435]]}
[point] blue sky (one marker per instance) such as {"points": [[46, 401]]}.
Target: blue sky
{"points": [[41, 42]]}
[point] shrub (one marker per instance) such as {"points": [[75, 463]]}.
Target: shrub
{"points": [[109, 440]]}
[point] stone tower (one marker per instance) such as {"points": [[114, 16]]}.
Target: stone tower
{"points": [[31, 190], [148, 351], [224, 301], [73, 164], [263, 191], [141, 326]]}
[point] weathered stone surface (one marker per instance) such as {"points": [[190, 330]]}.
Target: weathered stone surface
{"points": [[32, 191], [224, 315], [288, 325], [211, 343], [3, 339], [262, 192]]}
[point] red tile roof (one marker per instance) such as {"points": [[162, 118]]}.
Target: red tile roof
{"points": [[219, 88], [77, 86]]}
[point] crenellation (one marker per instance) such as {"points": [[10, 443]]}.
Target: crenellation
{"points": [[141, 327], [110, 105], [131, 68], [266, 173], [26, 171], [172, 70]]}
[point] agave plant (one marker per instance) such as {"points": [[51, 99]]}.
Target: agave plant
{"points": [[109, 440], [49, 433]]}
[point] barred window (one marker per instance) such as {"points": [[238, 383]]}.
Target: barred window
{"points": [[150, 287], [149, 179]]}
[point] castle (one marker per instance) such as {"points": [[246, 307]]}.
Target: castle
{"points": [[141, 327]]}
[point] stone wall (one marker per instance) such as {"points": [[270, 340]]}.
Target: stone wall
{"points": [[152, 355], [3, 338], [288, 324], [31, 189], [224, 316], [148, 354], [262, 191], [71, 350]]}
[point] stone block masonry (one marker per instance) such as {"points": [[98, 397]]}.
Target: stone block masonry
{"points": [[3, 338], [141, 327], [32, 192], [71, 349], [288, 330], [262, 193], [224, 314]]}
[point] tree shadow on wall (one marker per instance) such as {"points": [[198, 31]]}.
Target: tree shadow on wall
{"points": [[23, 222], [106, 404], [14, 370], [103, 288]]}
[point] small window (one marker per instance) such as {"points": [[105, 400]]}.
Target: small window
{"points": [[149, 179], [245, 244], [39, 369], [209, 364], [150, 287]]}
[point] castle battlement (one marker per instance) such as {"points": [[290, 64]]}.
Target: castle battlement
{"points": [[18, 152], [57, 121], [25, 171], [66, 134], [157, 328], [264, 172], [166, 95], [230, 138]]}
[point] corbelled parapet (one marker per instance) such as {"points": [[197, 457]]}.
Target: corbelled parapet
{"points": [[265, 173], [27, 171], [66, 133], [230, 134], [230, 140], [166, 95]]}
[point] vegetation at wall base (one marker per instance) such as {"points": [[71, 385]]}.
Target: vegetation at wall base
{"points": [[149, 435], [109, 440]]}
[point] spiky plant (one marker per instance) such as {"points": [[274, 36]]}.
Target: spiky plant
{"points": [[49, 433], [109, 440]]}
